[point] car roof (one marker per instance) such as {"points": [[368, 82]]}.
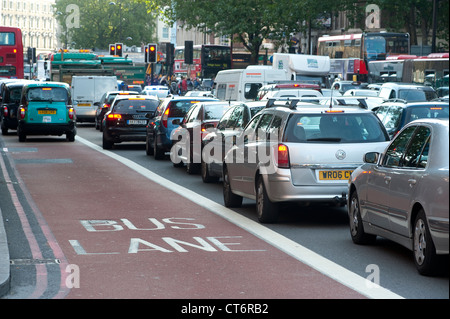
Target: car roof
{"points": [[137, 96], [125, 92], [406, 85], [406, 104], [47, 84], [305, 107]]}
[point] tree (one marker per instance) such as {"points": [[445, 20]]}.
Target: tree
{"points": [[249, 21], [105, 21]]}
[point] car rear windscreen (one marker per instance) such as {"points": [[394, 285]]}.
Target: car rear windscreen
{"points": [[47, 94], [335, 127], [132, 106]]}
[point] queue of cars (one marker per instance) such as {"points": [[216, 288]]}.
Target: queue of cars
{"points": [[389, 166]]}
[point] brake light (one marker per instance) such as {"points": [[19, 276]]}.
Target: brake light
{"points": [[5, 111], [114, 116], [71, 113], [106, 106], [22, 112], [165, 117], [283, 156]]}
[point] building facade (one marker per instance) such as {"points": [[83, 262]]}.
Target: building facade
{"points": [[36, 20]]}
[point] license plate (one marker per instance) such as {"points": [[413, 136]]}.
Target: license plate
{"points": [[45, 112], [137, 122], [335, 175], [84, 104]]}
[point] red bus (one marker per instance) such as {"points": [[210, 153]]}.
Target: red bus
{"points": [[208, 60], [11, 53], [350, 54]]}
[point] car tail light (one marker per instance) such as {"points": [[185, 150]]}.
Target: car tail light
{"points": [[106, 106], [114, 116], [71, 113], [283, 156], [165, 117], [5, 111], [22, 112]]}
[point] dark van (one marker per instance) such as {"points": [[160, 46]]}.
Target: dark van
{"points": [[10, 99]]}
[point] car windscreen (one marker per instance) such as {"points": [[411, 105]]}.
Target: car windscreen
{"points": [[334, 128], [427, 112], [14, 95], [215, 112], [416, 95], [51, 94], [132, 106], [180, 108], [254, 110]]}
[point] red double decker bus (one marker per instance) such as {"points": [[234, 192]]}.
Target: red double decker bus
{"points": [[208, 60], [11, 53]]}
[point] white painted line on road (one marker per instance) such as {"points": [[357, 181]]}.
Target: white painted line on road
{"points": [[297, 251]]}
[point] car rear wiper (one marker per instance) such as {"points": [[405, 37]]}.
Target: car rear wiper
{"points": [[325, 139]]}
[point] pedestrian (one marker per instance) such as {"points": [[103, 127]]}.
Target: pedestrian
{"points": [[184, 86]]}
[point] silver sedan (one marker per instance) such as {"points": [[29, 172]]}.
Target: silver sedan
{"points": [[402, 194]]}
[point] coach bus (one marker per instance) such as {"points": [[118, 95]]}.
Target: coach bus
{"points": [[431, 70], [361, 48], [208, 60], [11, 53]]}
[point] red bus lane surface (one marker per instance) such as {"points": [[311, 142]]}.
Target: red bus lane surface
{"points": [[126, 236]]}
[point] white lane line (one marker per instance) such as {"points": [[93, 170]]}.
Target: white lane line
{"points": [[302, 254]]}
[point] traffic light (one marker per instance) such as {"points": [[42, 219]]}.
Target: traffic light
{"points": [[112, 49], [169, 53], [152, 55], [146, 53], [189, 52], [119, 47]]}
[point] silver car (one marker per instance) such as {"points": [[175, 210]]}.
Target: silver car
{"points": [[402, 193], [299, 153]]}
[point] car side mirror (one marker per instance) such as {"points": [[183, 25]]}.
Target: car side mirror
{"points": [[371, 157]]}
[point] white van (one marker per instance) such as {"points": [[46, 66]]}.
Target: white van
{"points": [[87, 90], [243, 84], [304, 68]]}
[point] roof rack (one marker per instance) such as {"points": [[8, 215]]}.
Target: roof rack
{"points": [[291, 103], [397, 100], [343, 101]]}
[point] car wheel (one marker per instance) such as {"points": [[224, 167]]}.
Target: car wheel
{"points": [[230, 199], [157, 152], [70, 136], [425, 257], [22, 136], [4, 129], [206, 175], [266, 210], [107, 145], [356, 225], [148, 146]]}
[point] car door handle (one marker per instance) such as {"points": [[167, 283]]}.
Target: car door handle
{"points": [[387, 179], [412, 182]]}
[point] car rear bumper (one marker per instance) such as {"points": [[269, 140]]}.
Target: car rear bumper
{"points": [[281, 189], [46, 129], [123, 134]]}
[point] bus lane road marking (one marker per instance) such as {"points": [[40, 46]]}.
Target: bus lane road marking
{"points": [[292, 248]]}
